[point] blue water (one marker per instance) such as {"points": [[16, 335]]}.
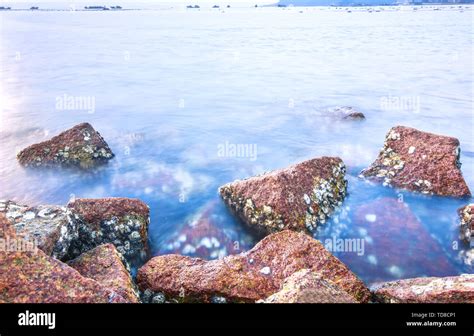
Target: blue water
{"points": [[169, 86]]}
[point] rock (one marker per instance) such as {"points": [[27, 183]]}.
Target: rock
{"points": [[347, 113], [381, 223], [298, 197], [419, 161], [107, 266], [454, 289], [466, 214], [120, 221], [81, 147], [46, 225], [30, 276], [239, 278], [206, 236], [306, 286]]}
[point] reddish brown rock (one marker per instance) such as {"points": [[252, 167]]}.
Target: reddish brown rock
{"points": [[107, 266], [419, 161], [249, 276], [381, 223], [80, 146], [306, 286], [46, 225], [206, 236], [120, 221], [466, 214], [455, 289], [297, 198], [27, 275]]}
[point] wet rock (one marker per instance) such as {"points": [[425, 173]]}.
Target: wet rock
{"points": [[30, 276], [347, 113], [206, 236], [455, 289], [249, 276], [81, 147], [387, 220], [419, 161], [306, 286], [466, 214], [107, 266], [46, 225], [298, 197], [120, 221]]}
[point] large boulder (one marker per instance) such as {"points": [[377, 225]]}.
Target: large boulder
{"points": [[306, 286], [28, 275], [205, 235], [419, 161], [466, 214], [45, 225], [297, 198], [81, 147], [107, 266], [455, 289], [120, 221], [381, 223], [249, 276]]}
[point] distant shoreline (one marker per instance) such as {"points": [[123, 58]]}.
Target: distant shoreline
{"points": [[454, 6]]}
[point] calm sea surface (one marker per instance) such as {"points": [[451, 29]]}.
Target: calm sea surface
{"points": [[166, 88]]}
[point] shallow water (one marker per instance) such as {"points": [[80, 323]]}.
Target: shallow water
{"points": [[167, 88]]}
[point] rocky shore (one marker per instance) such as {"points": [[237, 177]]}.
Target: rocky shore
{"points": [[82, 251]]}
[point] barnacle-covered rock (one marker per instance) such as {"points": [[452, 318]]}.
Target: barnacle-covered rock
{"points": [[381, 223], [120, 221], [466, 215], [306, 286], [454, 289], [298, 197], [45, 225], [205, 235], [28, 275], [249, 276], [81, 147], [419, 161], [107, 266]]}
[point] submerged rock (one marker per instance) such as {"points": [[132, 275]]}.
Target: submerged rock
{"points": [[466, 215], [30, 276], [249, 276], [107, 266], [347, 113], [81, 147], [381, 223], [455, 289], [419, 161], [206, 236], [306, 286], [120, 221], [298, 197], [45, 225]]}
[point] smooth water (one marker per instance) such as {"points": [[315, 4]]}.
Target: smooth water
{"points": [[167, 88]]}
